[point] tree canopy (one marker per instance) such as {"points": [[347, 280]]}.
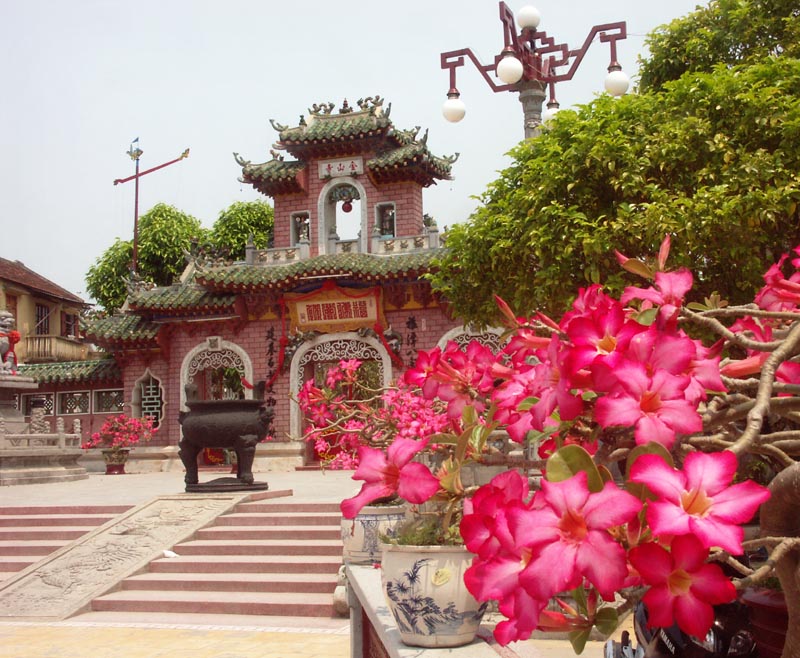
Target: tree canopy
{"points": [[240, 220], [710, 158], [165, 236]]}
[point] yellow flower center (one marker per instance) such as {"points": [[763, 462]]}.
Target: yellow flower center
{"points": [[696, 502], [607, 345], [679, 582], [650, 402], [573, 526]]}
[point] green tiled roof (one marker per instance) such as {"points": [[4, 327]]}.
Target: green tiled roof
{"points": [[273, 177], [325, 127], [73, 372], [405, 159], [125, 330], [179, 297], [364, 267], [326, 134]]}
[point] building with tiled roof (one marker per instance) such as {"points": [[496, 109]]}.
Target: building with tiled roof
{"points": [[45, 314], [287, 313]]}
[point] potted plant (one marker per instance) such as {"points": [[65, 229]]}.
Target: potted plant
{"points": [[117, 436]]}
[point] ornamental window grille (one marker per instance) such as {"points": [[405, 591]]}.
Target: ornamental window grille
{"points": [[73, 402], [42, 327], [222, 372], [109, 402], [148, 399], [339, 350], [492, 339], [386, 219], [48, 403]]}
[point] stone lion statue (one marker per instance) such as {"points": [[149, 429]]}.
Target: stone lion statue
{"points": [[8, 338]]}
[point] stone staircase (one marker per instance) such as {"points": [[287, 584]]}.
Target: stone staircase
{"points": [[27, 534], [265, 558]]}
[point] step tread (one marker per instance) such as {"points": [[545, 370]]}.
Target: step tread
{"points": [[310, 598], [233, 560], [285, 543], [61, 510], [235, 577], [229, 532]]}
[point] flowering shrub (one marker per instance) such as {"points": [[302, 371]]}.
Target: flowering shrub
{"points": [[121, 432], [346, 414], [643, 428]]}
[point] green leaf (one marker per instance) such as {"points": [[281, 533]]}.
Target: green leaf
{"points": [[647, 317], [651, 448], [571, 460], [578, 640], [606, 620]]}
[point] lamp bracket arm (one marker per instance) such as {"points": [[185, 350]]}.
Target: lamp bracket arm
{"points": [[455, 58]]}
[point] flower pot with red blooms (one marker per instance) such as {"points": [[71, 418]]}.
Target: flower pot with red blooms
{"points": [[116, 460], [116, 438]]}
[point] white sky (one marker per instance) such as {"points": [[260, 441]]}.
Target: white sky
{"points": [[82, 78]]}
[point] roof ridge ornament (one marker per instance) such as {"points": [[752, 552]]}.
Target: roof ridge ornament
{"points": [[321, 108], [278, 126]]}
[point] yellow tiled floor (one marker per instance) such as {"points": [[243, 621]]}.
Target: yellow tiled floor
{"points": [[130, 641]]}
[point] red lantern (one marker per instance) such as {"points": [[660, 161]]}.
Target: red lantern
{"points": [[347, 206]]}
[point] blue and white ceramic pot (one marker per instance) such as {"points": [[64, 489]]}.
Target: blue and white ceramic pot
{"points": [[361, 536], [424, 587]]}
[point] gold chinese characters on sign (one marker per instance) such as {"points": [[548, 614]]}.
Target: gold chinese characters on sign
{"points": [[333, 309]]}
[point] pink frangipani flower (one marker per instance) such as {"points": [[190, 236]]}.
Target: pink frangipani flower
{"points": [[567, 533], [392, 473], [655, 405], [699, 500], [683, 588]]}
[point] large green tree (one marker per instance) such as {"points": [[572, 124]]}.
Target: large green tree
{"points": [[238, 222], [164, 233], [165, 236], [710, 156]]}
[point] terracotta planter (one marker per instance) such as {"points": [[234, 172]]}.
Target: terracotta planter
{"points": [[115, 460], [361, 536], [424, 587], [769, 619]]}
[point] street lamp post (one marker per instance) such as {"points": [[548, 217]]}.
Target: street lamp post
{"points": [[531, 63]]}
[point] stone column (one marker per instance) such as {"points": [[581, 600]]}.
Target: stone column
{"points": [[532, 95]]}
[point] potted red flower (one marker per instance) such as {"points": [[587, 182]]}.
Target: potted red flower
{"points": [[116, 438]]}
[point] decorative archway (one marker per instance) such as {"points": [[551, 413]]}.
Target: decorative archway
{"points": [[332, 347], [492, 337], [211, 354], [326, 213]]}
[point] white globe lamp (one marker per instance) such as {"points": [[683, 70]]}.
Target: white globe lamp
{"points": [[528, 17], [617, 82], [509, 69], [454, 108]]}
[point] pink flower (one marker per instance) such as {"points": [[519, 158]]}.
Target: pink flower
{"points": [[668, 293], [700, 499], [421, 374], [683, 588], [779, 293], [388, 474], [567, 534], [655, 405]]}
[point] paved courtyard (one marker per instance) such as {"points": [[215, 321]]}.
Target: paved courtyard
{"points": [[93, 635]]}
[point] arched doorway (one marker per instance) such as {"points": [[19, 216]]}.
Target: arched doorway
{"points": [[217, 368], [332, 199], [314, 357]]}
